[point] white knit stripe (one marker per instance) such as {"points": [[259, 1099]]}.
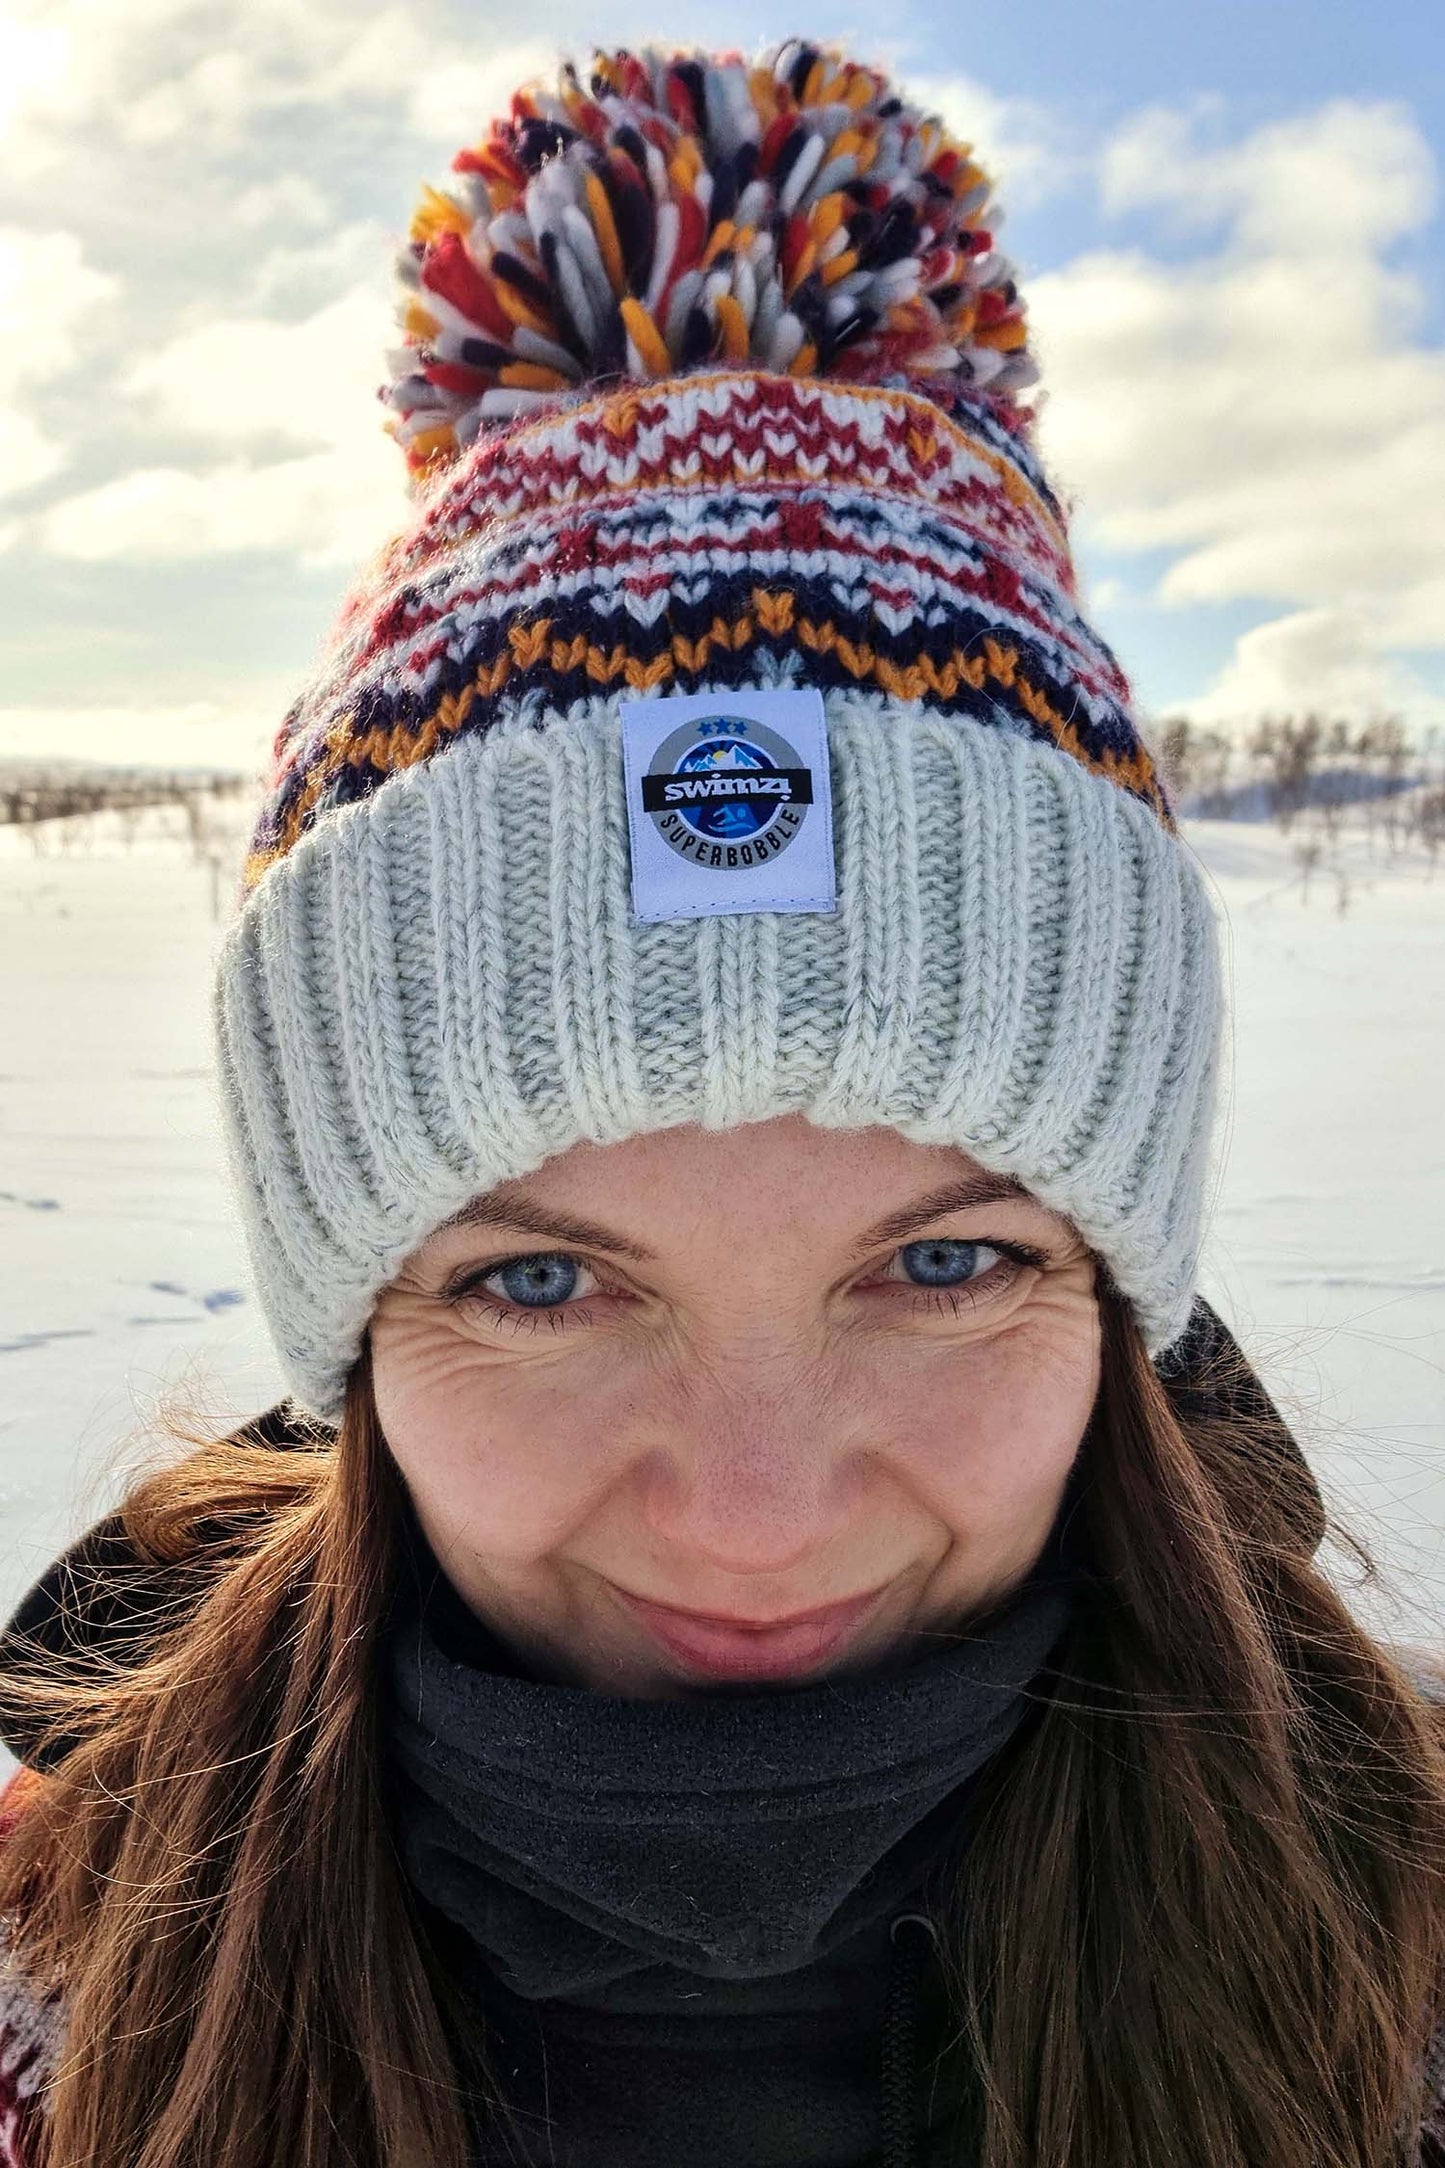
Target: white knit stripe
{"points": [[573, 937], [758, 957], [934, 783], [812, 955], [592, 978], [370, 1111], [453, 929], [1158, 1268], [992, 860], [666, 1008], [1082, 926], [1133, 1109], [742, 967], [1120, 855], [849, 822], [610, 862], [469, 878], [422, 930], [953, 952], [716, 984], [1192, 1199], [1041, 908], [877, 861], [282, 1225], [514, 770], [1098, 970], [1176, 1154], [294, 961], [471, 919], [376, 1030], [400, 904]]}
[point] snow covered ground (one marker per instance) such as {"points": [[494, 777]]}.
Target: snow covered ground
{"points": [[122, 1277]]}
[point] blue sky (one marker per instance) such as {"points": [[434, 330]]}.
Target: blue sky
{"points": [[1226, 221]]}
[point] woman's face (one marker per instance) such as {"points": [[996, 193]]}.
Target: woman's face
{"points": [[750, 1405]]}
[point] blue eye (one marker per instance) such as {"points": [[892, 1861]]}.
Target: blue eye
{"points": [[942, 1264], [536, 1283]]}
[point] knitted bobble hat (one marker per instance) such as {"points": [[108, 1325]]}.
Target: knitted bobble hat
{"points": [[721, 737]]}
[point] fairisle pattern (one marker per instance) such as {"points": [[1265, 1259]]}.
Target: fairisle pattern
{"points": [[710, 381], [685, 208], [717, 530]]}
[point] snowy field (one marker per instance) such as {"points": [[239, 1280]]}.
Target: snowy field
{"points": [[122, 1277]]}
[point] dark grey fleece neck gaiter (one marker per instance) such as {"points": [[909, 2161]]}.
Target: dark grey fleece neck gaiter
{"points": [[579, 1838]]}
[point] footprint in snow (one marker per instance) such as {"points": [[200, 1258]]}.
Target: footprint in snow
{"points": [[214, 1300], [39, 1339]]}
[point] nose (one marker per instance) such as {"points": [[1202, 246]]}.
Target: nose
{"points": [[753, 1474]]}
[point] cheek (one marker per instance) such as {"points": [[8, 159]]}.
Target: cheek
{"points": [[987, 1433], [502, 1458]]}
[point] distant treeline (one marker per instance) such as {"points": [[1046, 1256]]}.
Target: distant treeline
{"points": [[1277, 770], [1287, 766], [32, 791]]}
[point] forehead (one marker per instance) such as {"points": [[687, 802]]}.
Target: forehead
{"points": [[776, 1180]]}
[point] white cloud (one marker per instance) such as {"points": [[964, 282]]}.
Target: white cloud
{"points": [[243, 383], [242, 372], [233, 379], [1261, 409], [1326, 662], [454, 104], [151, 72], [1018, 143], [291, 278], [27, 454], [1345, 177], [47, 291], [33, 55], [327, 508], [291, 200]]}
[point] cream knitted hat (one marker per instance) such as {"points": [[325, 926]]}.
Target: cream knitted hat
{"points": [[721, 738]]}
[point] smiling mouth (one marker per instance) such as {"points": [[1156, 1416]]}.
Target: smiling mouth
{"points": [[715, 1646]]}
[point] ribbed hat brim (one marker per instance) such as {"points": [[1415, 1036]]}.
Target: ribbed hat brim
{"points": [[441, 987]]}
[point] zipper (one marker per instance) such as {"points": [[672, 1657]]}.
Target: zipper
{"points": [[914, 1937]]}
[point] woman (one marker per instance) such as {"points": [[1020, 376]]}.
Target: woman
{"points": [[774, 1627]]}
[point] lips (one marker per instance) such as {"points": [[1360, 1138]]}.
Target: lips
{"points": [[728, 1648]]}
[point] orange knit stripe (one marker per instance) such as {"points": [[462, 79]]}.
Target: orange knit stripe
{"points": [[400, 747]]}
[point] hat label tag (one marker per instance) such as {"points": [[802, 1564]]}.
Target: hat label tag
{"points": [[729, 803]]}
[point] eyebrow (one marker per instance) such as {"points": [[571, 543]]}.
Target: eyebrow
{"points": [[493, 1210], [960, 1196], [534, 1219]]}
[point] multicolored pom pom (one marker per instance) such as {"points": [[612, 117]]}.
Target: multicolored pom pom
{"points": [[694, 210]]}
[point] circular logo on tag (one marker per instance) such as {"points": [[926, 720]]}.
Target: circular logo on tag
{"points": [[727, 792]]}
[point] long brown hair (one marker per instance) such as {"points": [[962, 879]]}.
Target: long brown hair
{"points": [[1201, 1919]]}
